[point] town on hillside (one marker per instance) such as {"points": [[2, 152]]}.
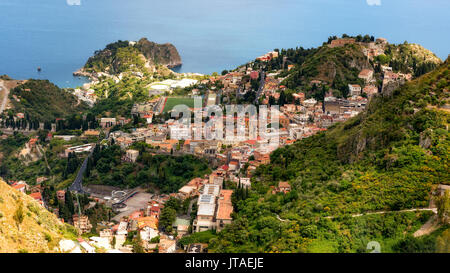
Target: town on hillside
{"points": [[105, 174]]}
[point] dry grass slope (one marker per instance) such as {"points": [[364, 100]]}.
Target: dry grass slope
{"points": [[25, 226]]}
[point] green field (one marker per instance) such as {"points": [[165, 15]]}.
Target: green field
{"points": [[172, 102]]}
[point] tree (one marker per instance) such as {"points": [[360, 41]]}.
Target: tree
{"points": [[443, 242], [69, 202], [282, 99], [443, 207], [137, 244], [19, 215], [168, 216]]}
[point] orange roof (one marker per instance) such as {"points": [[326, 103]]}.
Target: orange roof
{"points": [[284, 185], [225, 207], [251, 141], [19, 186], [224, 211], [136, 215], [226, 194], [147, 222], [36, 196]]}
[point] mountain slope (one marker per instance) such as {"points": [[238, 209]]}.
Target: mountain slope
{"points": [[386, 159], [43, 101], [329, 64], [25, 226], [338, 66], [411, 58]]}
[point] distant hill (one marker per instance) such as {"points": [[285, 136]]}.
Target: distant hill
{"points": [[25, 226], [387, 158], [43, 101], [124, 56]]}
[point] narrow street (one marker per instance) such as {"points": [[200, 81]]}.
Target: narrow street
{"points": [[261, 86]]}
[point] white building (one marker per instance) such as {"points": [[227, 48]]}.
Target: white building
{"points": [[354, 89], [148, 233]]}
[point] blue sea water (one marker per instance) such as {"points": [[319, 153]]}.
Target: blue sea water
{"points": [[211, 35]]}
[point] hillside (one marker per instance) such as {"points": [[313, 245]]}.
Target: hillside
{"points": [[410, 58], [43, 101], [338, 66], [25, 226], [386, 159]]}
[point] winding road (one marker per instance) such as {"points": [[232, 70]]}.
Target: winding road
{"points": [[261, 86], [77, 184]]}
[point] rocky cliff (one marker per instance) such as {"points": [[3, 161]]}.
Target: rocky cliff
{"points": [[162, 54]]}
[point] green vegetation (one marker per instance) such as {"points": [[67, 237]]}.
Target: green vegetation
{"points": [[115, 58], [122, 56], [167, 173], [409, 58], [172, 208], [203, 237], [33, 165], [43, 101], [19, 215], [385, 159], [168, 216], [336, 67]]}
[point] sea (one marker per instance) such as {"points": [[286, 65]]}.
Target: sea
{"points": [[210, 35]]}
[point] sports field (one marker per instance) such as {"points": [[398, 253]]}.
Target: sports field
{"points": [[172, 102]]}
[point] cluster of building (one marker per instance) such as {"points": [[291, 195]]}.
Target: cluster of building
{"points": [[86, 94], [34, 192], [268, 56]]}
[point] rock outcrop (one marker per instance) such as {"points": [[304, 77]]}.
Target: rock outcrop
{"points": [[162, 54]]}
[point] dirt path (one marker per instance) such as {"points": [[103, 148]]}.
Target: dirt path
{"points": [[4, 95], [431, 225], [434, 210], [388, 211]]}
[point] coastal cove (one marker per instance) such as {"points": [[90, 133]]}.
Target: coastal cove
{"points": [[210, 35]]}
